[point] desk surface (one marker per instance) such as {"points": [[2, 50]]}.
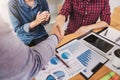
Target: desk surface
{"points": [[100, 73]]}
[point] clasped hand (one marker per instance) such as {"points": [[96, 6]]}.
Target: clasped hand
{"points": [[41, 18]]}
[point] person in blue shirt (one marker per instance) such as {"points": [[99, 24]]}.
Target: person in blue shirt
{"points": [[28, 18]]}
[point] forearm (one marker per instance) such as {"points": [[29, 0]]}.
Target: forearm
{"points": [[98, 25], [60, 20], [33, 24]]}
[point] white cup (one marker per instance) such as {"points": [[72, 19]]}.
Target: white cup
{"points": [[116, 59]]}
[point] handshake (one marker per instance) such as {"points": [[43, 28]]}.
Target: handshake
{"points": [[58, 31]]}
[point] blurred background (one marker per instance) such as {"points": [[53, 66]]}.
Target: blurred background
{"points": [[53, 5]]}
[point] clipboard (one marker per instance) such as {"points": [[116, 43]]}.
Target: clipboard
{"points": [[85, 55]]}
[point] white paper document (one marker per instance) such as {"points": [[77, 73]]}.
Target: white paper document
{"points": [[111, 34], [89, 58], [79, 57], [56, 70]]}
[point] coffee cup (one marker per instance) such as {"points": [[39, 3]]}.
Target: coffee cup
{"points": [[116, 59]]}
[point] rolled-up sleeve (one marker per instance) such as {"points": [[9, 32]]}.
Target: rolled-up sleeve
{"points": [[26, 27], [66, 8], [105, 14]]}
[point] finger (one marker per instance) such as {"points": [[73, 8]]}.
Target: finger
{"points": [[54, 30], [45, 12], [48, 16], [77, 32], [38, 13], [42, 17]]}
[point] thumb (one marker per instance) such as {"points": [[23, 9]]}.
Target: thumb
{"points": [[38, 13]]}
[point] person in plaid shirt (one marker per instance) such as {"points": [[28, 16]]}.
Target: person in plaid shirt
{"points": [[83, 15]]}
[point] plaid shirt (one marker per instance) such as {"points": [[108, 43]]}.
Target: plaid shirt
{"points": [[85, 12]]}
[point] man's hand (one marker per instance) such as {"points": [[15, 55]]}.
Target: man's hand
{"points": [[60, 29], [59, 22], [83, 30], [55, 30]]}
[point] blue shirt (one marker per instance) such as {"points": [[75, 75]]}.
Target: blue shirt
{"points": [[21, 15]]}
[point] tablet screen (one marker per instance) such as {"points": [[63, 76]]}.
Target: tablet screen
{"points": [[99, 43]]}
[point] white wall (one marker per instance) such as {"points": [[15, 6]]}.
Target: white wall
{"points": [[53, 5], [4, 10], [113, 4]]}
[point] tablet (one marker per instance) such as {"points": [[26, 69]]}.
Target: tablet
{"points": [[98, 43]]}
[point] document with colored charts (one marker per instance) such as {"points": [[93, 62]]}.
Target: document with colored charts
{"points": [[56, 70], [77, 56]]}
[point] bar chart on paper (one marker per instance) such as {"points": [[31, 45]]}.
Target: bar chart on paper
{"points": [[90, 59]]}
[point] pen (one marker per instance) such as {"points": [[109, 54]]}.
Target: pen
{"points": [[62, 61], [106, 32]]}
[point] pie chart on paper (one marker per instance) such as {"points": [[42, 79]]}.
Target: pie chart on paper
{"points": [[65, 55], [54, 60], [58, 75]]}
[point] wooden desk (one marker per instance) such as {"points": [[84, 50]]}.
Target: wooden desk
{"points": [[100, 73]]}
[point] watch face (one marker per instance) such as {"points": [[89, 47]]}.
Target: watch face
{"points": [[99, 43]]}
